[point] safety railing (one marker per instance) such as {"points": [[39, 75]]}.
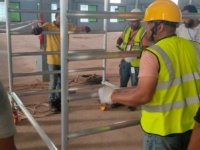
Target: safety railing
{"points": [[66, 56]]}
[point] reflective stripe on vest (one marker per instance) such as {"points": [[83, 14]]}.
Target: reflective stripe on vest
{"points": [[177, 95], [137, 46], [168, 107], [184, 78], [125, 37], [136, 41]]}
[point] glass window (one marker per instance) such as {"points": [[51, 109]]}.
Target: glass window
{"points": [[90, 8], [53, 7], [2, 12], [117, 9], [115, 1], [14, 16]]}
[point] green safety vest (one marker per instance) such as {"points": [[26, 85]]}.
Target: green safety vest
{"points": [[136, 42], [177, 95]]}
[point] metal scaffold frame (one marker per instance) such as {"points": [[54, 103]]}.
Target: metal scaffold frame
{"points": [[65, 57]]}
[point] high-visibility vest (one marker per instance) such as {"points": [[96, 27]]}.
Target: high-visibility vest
{"points": [[177, 95], [136, 45]]}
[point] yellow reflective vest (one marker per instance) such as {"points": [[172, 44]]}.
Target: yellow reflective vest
{"points": [[177, 95], [136, 45]]}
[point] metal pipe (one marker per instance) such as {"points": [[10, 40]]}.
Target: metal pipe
{"points": [[35, 92], [35, 73], [64, 74], [34, 123], [117, 125], [16, 54], [31, 11], [82, 96], [102, 55], [105, 26], [136, 4], [100, 15], [56, 72], [9, 47]]}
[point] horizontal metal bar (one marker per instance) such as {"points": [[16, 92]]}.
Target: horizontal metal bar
{"points": [[69, 33], [86, 51], [72, 91], [126, 15], [85, 54], [35, 73], [82, 96], [105, 15], [117, 125], [35, 92], [102, 55], [85, 69], [55, 72], [101, 15], [32, 10], [16, 54], [34, 123], [85, 86]]}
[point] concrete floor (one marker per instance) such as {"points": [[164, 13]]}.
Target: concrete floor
{"points": [[83, 114]]}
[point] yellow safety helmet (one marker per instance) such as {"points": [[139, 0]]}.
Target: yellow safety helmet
{"points": [[163, 10]]}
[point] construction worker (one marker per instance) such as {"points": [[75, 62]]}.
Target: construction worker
{"points": [[169, 82], [53, 61], [195, 138], [131, 40], [190, 29], [7, 127]]}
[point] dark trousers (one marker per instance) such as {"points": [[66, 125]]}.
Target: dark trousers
{"points": [[126, 72], [54, 83], [171, 142]]}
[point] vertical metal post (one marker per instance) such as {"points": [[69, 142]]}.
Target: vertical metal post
{"points": [[105, 22], [64, 73], [9, 47], [136, 4]]}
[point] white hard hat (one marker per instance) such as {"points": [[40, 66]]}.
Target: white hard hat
{"points": [[136, 10]]}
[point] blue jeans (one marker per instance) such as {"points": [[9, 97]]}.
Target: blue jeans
{"points": [[54, 83], [126, 73], [171, 142]]}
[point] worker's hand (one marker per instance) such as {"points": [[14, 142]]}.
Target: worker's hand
{"points": [[119, 41], [37, 30], [87, 29], [105, 93]]}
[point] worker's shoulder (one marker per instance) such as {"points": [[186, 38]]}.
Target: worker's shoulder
{"points": [[48, 24]]}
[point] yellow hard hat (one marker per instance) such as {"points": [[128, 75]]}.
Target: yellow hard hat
{"points": [[163, 10]]}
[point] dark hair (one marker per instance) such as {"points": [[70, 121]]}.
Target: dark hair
{"points": [[58, 13], [190, 8]]}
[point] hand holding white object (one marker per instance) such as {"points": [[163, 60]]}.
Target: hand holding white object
{"points": [[105, 93]]}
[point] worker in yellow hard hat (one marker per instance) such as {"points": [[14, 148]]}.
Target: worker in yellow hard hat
{"points": [[131, 39], [169, 82]]}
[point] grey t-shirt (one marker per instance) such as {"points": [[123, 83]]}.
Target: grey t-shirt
{"points": [[7, 127]]}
